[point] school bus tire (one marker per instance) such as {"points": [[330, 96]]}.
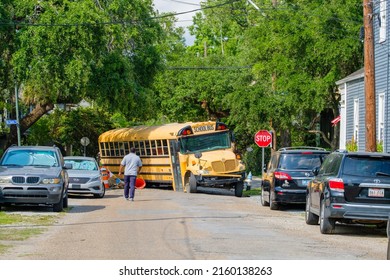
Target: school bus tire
{"points": [[192, 184], [238, 189]]}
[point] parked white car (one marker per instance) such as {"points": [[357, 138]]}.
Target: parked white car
{"points": [[85, 176]]}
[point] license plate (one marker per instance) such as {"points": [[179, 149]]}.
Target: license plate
{"points": [[76, 186], [373, 192], [305, 182]]}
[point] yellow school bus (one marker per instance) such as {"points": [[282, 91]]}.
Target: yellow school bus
{"points": [[182, 155]]}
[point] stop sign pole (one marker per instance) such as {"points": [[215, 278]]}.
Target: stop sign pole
{"points": [[263, 138]]}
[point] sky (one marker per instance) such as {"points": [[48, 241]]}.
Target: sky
{"points": [[179, 6]]}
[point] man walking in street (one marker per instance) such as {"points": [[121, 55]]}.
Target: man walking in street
{"points": [[132, 165]]}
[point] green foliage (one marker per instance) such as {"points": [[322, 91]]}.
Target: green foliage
{"points": [[65, 51], [67, 128], [352, 145], [379, 147]]}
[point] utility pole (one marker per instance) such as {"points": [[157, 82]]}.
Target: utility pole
{"points": [[369, 76]]}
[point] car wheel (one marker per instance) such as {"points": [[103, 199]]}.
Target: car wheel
{"points": [[238, 189], [65, 201], [272, 204], [262, 198], [58, 207], [100, 195], [327, 225], [193, 184], [310, 218]]}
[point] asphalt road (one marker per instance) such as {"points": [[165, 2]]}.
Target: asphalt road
{"points": [[165, 225]]}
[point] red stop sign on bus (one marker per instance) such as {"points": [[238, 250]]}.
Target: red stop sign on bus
{"points": [[263, 138]]}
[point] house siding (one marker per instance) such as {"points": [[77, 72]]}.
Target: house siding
{"points": [[355, 90], [381, 51]]}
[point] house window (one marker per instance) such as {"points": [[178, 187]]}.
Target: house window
{"points": [[382, 21], [381, 117], [356, 120]]}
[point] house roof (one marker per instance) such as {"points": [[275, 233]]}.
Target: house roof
{"points": [[354, 76]]}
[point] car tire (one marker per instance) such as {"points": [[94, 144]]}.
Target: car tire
{"points": [[100, 195], [262, 198], [310, 218], [65, 201], [59, 207], [238, 189], [327, 225], [272, 205]]}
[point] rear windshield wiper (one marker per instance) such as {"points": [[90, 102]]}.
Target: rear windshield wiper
{"points": [[382, 174]]}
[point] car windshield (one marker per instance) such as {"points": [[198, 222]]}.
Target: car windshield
{"points": [[30, 158], [206, 142], [366, 166], [82, 164], [300, 161]]}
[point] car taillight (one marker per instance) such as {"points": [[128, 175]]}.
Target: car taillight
{"points": [[282, 176], [336, 185]]}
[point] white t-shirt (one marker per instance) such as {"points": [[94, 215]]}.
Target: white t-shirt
{"points": [[131, 162]]}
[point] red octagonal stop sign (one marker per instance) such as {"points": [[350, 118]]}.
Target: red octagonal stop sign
{"points": [[263, 138]]}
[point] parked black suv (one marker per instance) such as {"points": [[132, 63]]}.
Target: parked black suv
{"points": [[34, 175], [287, 175], [350, 187]]}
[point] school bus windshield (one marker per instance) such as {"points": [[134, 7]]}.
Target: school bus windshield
{"points": [[205, 142]]}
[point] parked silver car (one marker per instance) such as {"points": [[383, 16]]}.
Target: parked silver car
{"points": [[34, 175], [85, 176]]}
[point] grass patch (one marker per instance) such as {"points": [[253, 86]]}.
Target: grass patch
{"points": [[18, 227], [19, 234], [3, 248], [251, 192], [42, 220]]}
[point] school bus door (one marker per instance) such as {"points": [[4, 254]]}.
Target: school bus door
{"points": [[177, 183]]}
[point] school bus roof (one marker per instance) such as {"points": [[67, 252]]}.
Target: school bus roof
{"points": [[166, 131]]}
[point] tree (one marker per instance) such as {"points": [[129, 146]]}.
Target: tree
{"points": [[65, 130], [65, 51]]}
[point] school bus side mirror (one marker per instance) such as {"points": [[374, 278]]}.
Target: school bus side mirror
{"points": [[198, 155]]}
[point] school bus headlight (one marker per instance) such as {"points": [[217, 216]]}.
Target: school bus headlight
{"points": [[203, 172], [238, 156]]}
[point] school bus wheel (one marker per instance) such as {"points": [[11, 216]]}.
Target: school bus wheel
{"points": [[238, 189], [190, 183]]}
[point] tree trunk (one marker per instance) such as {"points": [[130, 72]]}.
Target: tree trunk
{"points": [[28, 121]]}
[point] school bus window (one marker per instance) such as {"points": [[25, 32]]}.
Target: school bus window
{"points": [[142, 148], [101, 146], [126, 148], [134, 144], [153, 147], [111, 149], [206, 142], [147, 148], [165, 147]]}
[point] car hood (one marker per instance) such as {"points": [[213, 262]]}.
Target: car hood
{"points": [[83, 173], [29, 170]]}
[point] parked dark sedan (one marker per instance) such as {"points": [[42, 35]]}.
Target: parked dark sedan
{"points": [[287, 175], [349, 187]]}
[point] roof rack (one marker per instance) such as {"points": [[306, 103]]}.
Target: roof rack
{"points": [[302, 148]]}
